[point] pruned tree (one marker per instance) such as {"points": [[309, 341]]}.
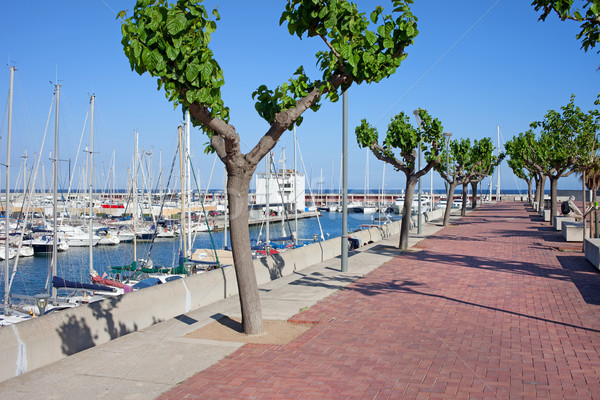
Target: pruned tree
{"points": [[454, 171], [522, 172], [483, 162], [564, 135], [171, 42], [588, 15], [588, 164], [478, 160], [526, 148], [400, 149]]}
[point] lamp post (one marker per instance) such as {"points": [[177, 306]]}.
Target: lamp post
{"points": [[41, 301], [447, 136], [416, 112]]}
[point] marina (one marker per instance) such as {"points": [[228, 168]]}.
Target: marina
{"points": [[73, 264]]}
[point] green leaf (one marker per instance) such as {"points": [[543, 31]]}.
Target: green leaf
{"points": [[176, 23], [206, 70], [211, 27], [346, 51], [371, 37], [191, 72], [172, 52]]}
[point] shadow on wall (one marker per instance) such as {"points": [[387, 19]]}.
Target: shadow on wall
{"points": [[275, 270], [76, 334]]}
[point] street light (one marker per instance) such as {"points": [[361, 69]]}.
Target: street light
{"points": [[41, 301], [447, 136]]}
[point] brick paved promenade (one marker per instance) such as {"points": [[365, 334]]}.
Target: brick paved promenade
{"points": [[486, 308]]}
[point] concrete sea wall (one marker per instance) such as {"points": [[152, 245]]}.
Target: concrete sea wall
{"points": [[40, 341]]}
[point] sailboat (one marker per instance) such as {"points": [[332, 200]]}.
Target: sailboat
{"points": [[9, 316], [96, 291]]}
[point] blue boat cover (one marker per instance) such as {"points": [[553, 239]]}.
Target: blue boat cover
{"points": [[61, 283], [144, 283]]}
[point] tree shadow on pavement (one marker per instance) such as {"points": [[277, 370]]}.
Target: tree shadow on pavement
{"points": [[317, 279], [411, 287], [491, 264], [584, 276]]}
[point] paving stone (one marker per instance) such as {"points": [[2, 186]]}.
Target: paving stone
{"points": [[488, 308]]}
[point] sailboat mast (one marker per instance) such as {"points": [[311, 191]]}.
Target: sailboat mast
{"points": [[268, 206], [134, 191], [188, 181], [295, 193], [54, 191], [7, 206], [182, 178], [498, 174], [90, 183], [225, 224], [112, 197]]}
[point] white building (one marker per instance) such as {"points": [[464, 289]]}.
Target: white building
{"points": [[281, 190]]}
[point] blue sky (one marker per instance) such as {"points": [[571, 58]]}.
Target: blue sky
{"points": [[475, 65]]}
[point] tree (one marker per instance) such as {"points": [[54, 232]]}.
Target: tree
{"points": [[477, 161], [519, 169], [171, 42], [589, 16], [454, 172], [564, 135], [406, 139], [483, 162], [588, 164], [526, 149]]}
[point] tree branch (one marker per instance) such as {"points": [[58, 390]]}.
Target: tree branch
{"points": [[338, 55], [229, 146], [284, 119], [379, 153]]}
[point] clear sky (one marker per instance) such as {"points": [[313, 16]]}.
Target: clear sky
{"points": [[476, 65]]}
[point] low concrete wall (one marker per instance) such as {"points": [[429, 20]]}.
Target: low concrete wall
{"points": [[573, 231], [547, 215], [591, 248], [40, 341], [559, 219], [435, 214]]}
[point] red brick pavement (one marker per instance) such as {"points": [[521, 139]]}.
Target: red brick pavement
{"points": [[487, 309]]}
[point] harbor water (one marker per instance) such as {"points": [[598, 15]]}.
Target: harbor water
{"points": [[32, 272]]}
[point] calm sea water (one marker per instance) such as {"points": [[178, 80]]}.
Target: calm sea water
{"points": [[32, 272]]}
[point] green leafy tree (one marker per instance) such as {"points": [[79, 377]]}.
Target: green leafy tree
{"points": [[454, 172], [171, 42], [400, 149], [588, 164], [527, 150], [482, 164], [476, 161], [588, 15], [519, 169], [564, 135]]}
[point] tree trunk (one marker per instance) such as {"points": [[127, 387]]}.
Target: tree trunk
{"points": [[553, 194], [237, 196], [463, 209], [537, 189], [474, 189], [529, 189], [542, 190], [406, 212], [594, 200], [450, 200]]}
